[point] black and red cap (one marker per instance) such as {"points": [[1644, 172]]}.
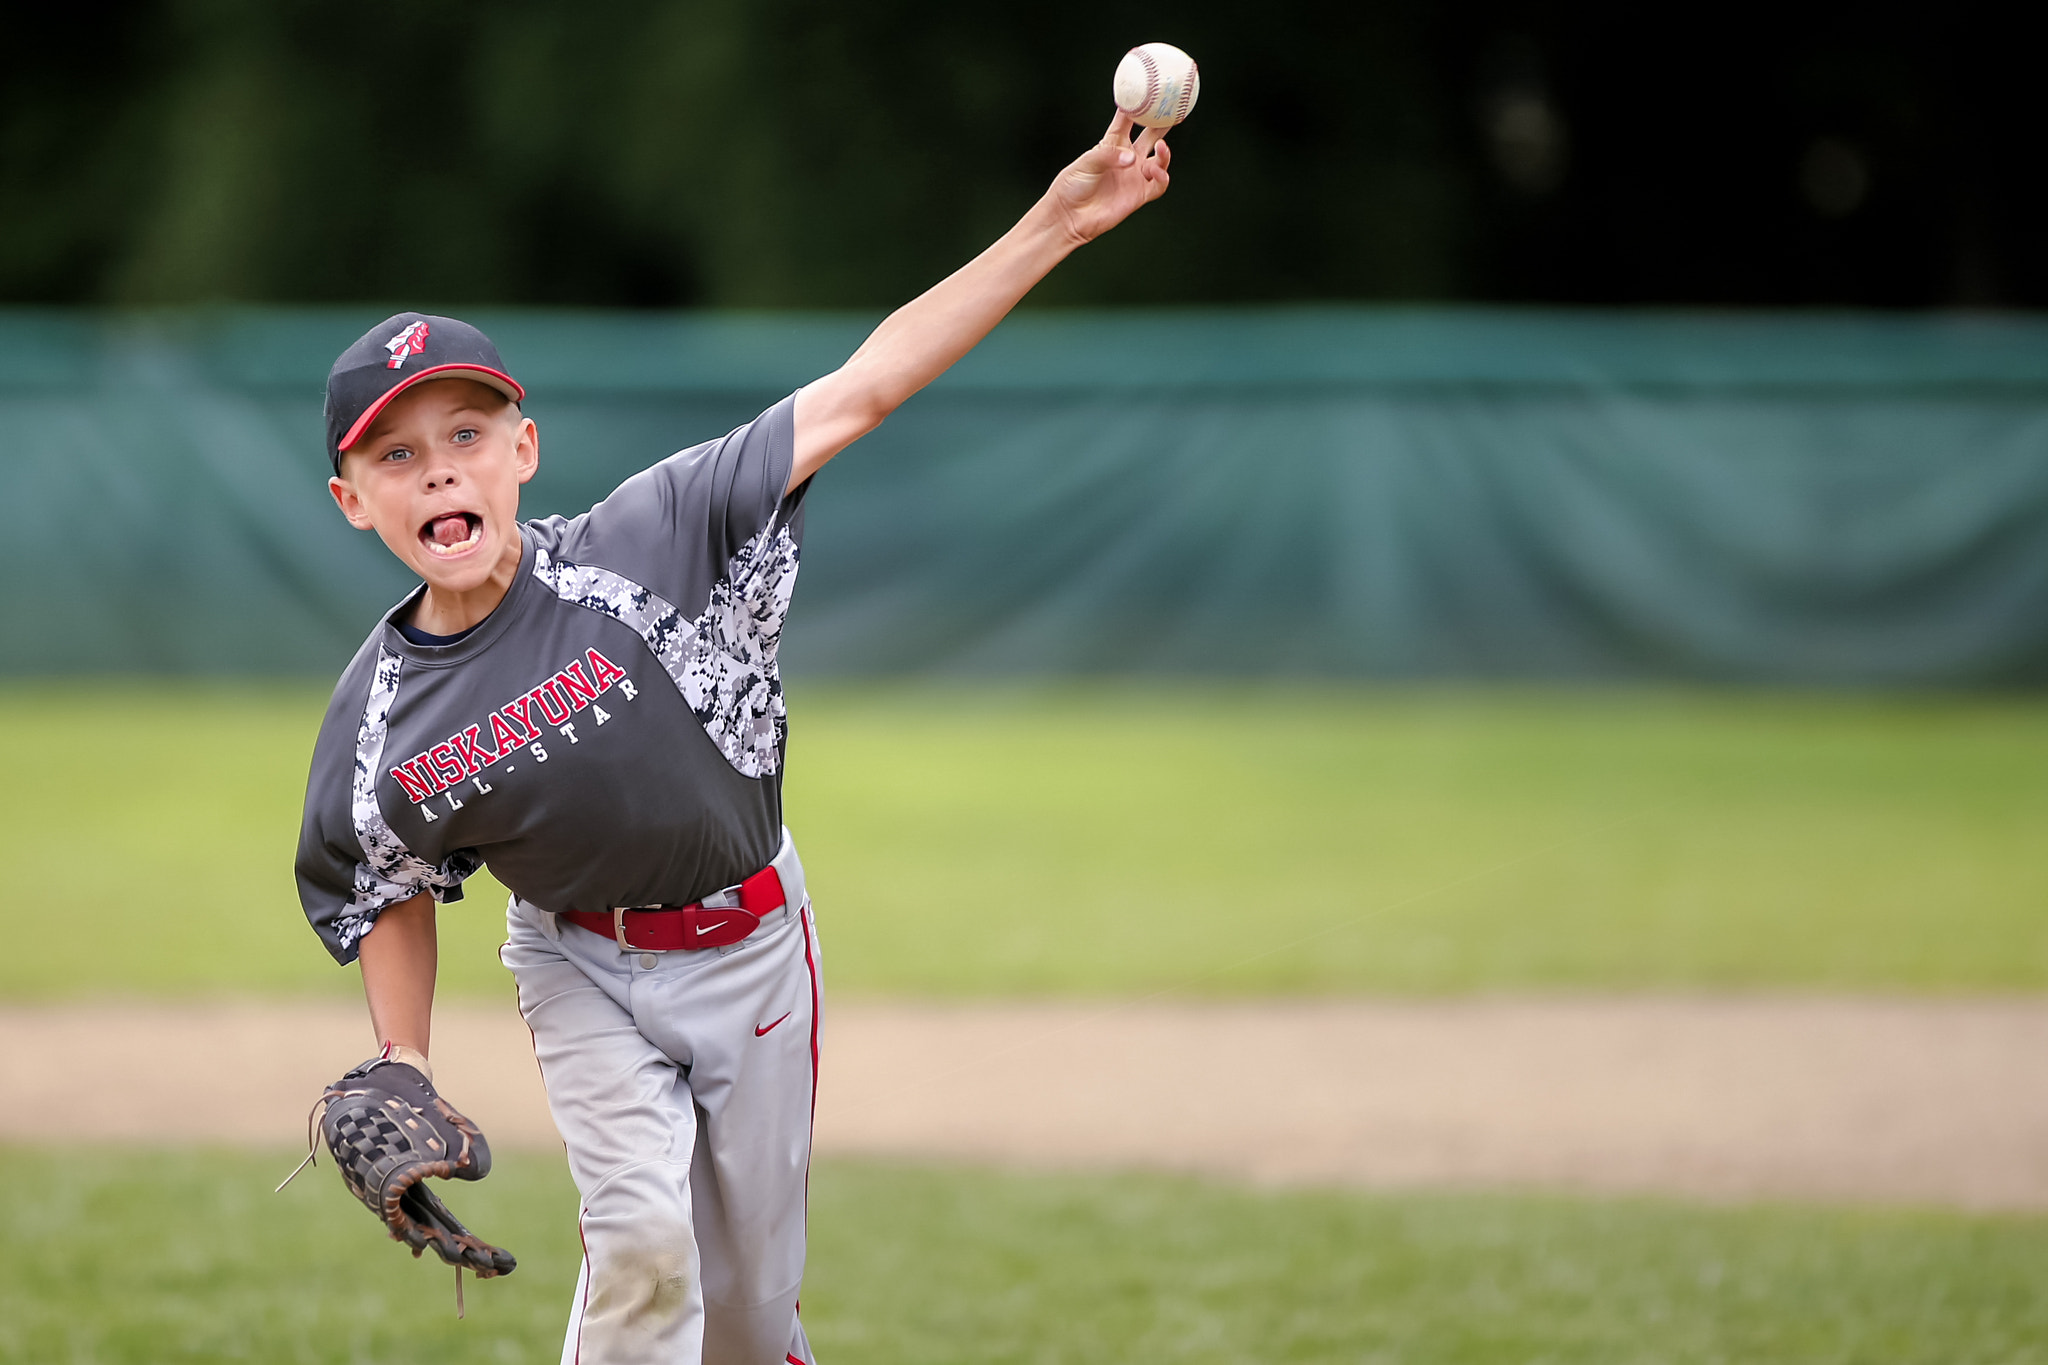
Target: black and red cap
{"points": [[396, 354]]}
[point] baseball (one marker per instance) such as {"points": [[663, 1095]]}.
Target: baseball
{"points": [[1157, 85]]}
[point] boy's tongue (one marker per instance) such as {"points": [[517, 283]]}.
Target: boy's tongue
{"points": [[452, 529]]}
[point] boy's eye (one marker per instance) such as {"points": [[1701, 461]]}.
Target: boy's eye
{"points": [[398, 453], [465, 435]]}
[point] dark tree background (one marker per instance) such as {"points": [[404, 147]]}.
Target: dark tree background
{"points": [[797, 153]]}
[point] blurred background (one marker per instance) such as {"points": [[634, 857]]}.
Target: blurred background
{"points": [[1551, 509], [780, 155]]}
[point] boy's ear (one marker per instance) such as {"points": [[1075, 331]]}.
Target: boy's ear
{"points": [[526, 455], [350, 502]]}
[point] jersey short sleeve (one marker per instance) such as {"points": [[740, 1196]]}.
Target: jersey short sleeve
{"points": [[702, 515], [698, 555], [350, 865]]}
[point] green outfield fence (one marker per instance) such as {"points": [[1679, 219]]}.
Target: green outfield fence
{"points": [[1807, 498]]}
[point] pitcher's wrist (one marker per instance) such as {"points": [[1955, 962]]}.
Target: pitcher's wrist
{"points": [[410, 1056]]}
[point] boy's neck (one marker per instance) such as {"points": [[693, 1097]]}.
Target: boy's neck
{"points": [[443, 611]]}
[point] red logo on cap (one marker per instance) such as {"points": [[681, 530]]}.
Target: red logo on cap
{"points": [[411, 341]]}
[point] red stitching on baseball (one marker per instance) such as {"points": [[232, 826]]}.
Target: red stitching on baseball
{"points": [[1151, 78], [1187, 92]]}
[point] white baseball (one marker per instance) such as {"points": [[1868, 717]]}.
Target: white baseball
{"points": [[1157, 84]]}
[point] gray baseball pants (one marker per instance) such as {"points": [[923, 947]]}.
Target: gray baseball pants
{"points": [[683, 1084]]}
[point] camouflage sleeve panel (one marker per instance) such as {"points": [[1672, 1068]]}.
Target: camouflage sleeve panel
{"points": [[350, 866]]}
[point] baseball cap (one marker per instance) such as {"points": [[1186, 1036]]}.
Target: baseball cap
{"points": [[396, 354]]}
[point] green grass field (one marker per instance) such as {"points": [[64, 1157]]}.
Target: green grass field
{"points": [[1118, 839], [1105, 840], [163, 1258]]}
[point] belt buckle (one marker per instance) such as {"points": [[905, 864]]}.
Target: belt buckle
{"points": [[619, 932]]}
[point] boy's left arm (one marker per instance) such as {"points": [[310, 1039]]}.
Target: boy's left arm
{"points": [[399, 958], [921, 340]]}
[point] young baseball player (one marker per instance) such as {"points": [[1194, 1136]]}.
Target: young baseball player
{"points": [[591, 707]]}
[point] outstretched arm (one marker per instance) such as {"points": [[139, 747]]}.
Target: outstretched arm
{"points": [[921, 340]]}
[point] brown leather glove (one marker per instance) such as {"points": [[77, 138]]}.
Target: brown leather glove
{"points": [[388, 1131]]}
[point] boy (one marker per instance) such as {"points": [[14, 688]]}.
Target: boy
{"points": [[591, 706]]}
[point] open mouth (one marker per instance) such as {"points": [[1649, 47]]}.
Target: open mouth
{"points": [[452, 532]]}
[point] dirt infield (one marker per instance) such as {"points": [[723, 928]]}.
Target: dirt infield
{"points": [[1823, 1099]]}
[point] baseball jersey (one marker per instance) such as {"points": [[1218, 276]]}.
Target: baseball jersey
{"points": [[612, 734]]}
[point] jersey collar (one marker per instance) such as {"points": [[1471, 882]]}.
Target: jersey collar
{"points": [[487, 630]]}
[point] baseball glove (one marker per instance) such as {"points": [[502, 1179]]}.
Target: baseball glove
{"points": [[388, 1130]]}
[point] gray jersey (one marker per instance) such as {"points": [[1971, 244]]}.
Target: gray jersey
{"points": [[611, 735]]}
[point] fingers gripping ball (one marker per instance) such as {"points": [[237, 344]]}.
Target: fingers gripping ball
{"points": [[1157, 85], [388, 1131]]}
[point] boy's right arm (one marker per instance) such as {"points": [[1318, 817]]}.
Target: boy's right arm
{"points": [[921, 340], [399, 957]]}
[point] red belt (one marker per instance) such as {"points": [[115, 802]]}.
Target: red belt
{"points": [[685, 928]]}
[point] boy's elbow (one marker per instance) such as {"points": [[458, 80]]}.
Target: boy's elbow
{"points": [[847, 400], [870, 395], [834, 412], [872, 413], [853, 425]]}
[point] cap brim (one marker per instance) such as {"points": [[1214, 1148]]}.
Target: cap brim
{"points": [[482, 374]]}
